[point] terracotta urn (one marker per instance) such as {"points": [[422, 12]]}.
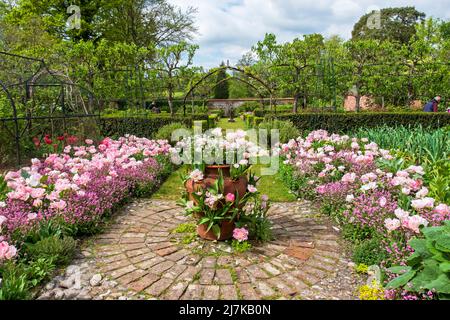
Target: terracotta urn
{"points": [[211, 175]]}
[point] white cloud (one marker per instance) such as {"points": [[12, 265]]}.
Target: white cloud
{"points": [[229, 28]]}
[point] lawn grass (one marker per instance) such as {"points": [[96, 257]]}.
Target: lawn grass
{"points": [[273, 186], [238, 124], [172, 188]]}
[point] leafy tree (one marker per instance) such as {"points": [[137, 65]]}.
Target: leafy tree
{"points": [[300, 56], [396, 24], [140, 22], [171, 62], [267, 52], [221, 86], [362, 56], [239, 88], [145, 22]]}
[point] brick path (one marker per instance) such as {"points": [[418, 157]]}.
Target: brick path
{"points": [[142, 254]]}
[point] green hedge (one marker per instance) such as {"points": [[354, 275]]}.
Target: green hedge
{"points": [[142, 127], [257, 121], [213, 120], [249, 120], [345, 122]]}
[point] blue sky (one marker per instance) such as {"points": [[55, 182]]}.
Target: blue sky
{"points": [[228, 28]]}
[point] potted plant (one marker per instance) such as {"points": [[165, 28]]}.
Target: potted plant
{"points": [[218, 188]]}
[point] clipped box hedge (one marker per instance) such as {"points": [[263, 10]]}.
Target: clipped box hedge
{"points": [[143, 127], [249, 120], [257, 121], [345, 122], [213, 119]]}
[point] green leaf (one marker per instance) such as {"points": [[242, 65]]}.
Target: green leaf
{"points": [[439, 257], [414, 259], [399, 269], [431, 247], [445, 267], [433, 233], [216, 230], [401, 280], [440, 247], [443, 243], [441, 284], [429, 273], [203, 220], [419, 246]]}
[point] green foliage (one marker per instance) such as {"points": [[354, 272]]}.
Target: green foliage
{"points": [[257, 121], [257, 222], [3, 189], [15, 284], [249, 120], [221, 91], [185, 228], [369, 252], [59, 250], [421, 145], [287, 130], [141, 127], [165, 132], [343, 123], [240, 247], [39, 270], [45, 229], [281, 109], [396, 24], [18, 277], [248, 106], [438, 178], [416, 145], [355, 233], [213, 120], [428, 268], [298, 184]]}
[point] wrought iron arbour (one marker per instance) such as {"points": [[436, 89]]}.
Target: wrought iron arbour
{"points": [[242, 71], [22, 80]]}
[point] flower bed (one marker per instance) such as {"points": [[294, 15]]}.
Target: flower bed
{"points": [[380, 205], [68, 194]]}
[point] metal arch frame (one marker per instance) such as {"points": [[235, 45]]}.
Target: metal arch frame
{"points": [[216, 70], [29, 82], [241, 80], [16, 121]]}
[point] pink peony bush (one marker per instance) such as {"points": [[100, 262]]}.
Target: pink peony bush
{"points": [[79, 185]]}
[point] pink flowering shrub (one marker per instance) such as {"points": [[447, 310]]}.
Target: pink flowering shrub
{"points": [[81, 184], [351, 183]]}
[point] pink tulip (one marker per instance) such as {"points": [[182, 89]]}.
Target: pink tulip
{"points": [[230, 197]]}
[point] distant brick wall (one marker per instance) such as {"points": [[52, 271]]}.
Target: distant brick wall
{"points": [[417, 104], [366, 103]]}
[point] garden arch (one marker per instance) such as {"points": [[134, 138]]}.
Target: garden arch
{"points": [[216, 70], [37, 99]]}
